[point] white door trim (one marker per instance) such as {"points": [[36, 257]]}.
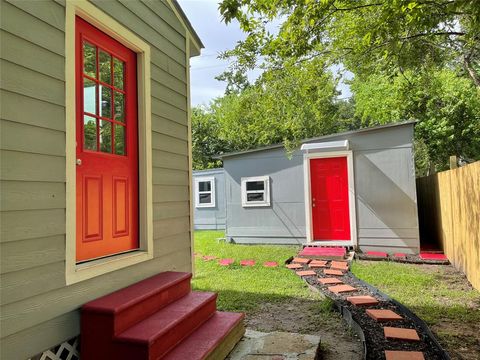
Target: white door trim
{"points": [[351, 197]]}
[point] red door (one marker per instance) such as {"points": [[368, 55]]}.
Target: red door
{"points": [[329, 199], [107, 145]]}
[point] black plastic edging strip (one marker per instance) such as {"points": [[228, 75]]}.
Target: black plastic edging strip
{"points": [[408, 312]]}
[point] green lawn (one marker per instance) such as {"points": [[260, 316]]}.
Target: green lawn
{"points": [[245, 288]]}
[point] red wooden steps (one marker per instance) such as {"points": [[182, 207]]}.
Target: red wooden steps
{"points": [[151, 319]]}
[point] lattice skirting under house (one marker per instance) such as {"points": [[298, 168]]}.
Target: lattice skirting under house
{"points": [[68, 350]]}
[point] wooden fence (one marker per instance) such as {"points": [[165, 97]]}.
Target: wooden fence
{"points": [[449, 214]]}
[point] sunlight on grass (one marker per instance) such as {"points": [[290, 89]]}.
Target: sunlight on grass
{"points": [[245, 288], [425, 291]]}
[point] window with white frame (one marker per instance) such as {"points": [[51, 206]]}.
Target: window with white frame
{"points": [[256, 191], [205, 192]]}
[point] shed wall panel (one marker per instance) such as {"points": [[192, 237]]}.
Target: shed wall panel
{"points": [[211, 218], [385, 194]]}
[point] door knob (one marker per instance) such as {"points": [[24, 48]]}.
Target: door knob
{"points": [[79, 162]]}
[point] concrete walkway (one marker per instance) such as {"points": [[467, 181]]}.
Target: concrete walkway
{"points": [[277, 345]]}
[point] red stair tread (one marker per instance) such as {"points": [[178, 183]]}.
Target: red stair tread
{"points": [[136, 293], [206, 338], [167, 318], [323, 251]]}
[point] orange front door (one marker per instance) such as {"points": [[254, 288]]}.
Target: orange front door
{"points": [[107, 145], [330, 200]]}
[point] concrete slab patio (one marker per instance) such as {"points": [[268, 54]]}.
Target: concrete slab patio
{"points": [[277, 345]]}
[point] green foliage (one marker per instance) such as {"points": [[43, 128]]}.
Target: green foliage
{"points": [[446, 106], [367, 36], [284, 105]]}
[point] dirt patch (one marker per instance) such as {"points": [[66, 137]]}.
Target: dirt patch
{"points": [[308, 317]]}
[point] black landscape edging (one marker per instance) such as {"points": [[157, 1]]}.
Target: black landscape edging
{"points": [[355, 326], [409, 313], [401, 260]]}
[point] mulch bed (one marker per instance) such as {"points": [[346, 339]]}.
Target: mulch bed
{"points": [[376, 343], [408, 259]]}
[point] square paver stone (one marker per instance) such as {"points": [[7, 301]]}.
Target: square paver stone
{"points": [[401, 334], [362, 300], [331, 280], [306, 273], [294, 266], [247, 262], [403, 355], [270, 264], [317, 264], [299, 260], [333, 272], [341, 289], [400, 256], [383, 315], [340, 265]]}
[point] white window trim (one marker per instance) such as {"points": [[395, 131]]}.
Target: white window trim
{"points": [[211, 204], [266, 191], [78, 272], [351, 198]]}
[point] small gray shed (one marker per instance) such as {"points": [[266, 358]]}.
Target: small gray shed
{"points": [[209, 199], [350, 189]]}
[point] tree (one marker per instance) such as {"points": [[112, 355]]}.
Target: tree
{"points": [[446, 106], [206, 141], [283, 106], [367, 36]]}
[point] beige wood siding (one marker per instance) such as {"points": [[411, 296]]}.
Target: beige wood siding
{"points": [[37, 309]]}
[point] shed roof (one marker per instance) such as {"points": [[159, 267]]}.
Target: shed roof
{"points": [[324, 137]]}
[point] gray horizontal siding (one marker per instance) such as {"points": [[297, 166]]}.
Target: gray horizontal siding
{"points": [[37, 309]]}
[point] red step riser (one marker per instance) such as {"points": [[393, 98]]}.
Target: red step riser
{"points": [[96, 336], [183, 330], [160, 346], [141, 311]]}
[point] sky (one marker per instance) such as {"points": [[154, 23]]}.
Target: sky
{"points": [[217, 37]]}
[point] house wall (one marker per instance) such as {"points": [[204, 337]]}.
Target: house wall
{"points": [[38, 310], [385, 192], [212, 218]]}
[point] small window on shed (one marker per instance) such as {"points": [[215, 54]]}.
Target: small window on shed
{"points": [[205, 192], [256, 191]]}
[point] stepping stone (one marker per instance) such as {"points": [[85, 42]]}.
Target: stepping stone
{"points": [[318, 264], [400, 256], [430, 256], [332, 281], [383, 315], [333, 272], [226, 262], [377, 254], [403, 355], [301, 260], [306, 273], [294, 266], [270, 264], [208, 257], [340, 265], [401, 334], [341, 289], [362, 300], [247, 262]]}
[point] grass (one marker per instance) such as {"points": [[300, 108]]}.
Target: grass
{"points": [[431, 292], [246, 288]]}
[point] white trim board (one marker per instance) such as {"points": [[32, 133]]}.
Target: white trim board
{"points": [[78, 272], [351, 198]]}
